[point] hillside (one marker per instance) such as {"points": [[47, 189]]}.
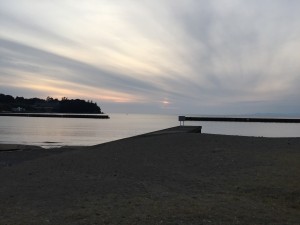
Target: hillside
{"points": [[49, 105]]}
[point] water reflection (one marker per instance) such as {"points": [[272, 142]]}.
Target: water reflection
{"points": [[53, 132]]}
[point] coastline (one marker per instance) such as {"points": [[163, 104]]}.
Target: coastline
{"points": [[157, 178], [58, 115]]}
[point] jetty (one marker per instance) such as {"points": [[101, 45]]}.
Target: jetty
{"points": [[239, 119], [57, 115]]}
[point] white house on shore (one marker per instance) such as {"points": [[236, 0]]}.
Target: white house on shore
{"points": [[18, 109]]}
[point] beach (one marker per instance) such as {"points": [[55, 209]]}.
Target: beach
{"points": [[175, 176]]}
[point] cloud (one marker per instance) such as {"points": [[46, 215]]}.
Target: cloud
{"points": [[23, 58], [203, 56]]}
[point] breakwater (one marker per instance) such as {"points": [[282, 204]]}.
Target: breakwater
{"points": [[88, 116], [240, 119]]}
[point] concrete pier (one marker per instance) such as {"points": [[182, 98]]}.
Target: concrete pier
{"points": [[240, 119]]}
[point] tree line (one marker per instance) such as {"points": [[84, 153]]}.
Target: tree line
{"points": [[51, 105]]}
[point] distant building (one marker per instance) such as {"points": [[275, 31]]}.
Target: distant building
{"points": [[18, 109], [44, 109]]}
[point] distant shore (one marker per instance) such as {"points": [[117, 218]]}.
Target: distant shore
{"points": [[58, 115], [166, 177]]}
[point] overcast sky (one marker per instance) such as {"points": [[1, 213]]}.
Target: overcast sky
{"points": [[156, 56]]}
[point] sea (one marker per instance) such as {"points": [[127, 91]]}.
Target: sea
{"points": [[57, 132]]}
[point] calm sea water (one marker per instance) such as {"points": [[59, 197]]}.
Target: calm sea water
{"points": [[56, 132]]}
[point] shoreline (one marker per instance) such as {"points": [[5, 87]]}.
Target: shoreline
{"points": [[58, 115], [47, 145], [164, 177]]}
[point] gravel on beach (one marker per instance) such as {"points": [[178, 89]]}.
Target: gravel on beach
{"points": [[160, 178]]}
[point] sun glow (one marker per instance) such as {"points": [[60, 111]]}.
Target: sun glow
{"points": [[165, 102]]}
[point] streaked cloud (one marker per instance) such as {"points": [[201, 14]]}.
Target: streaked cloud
{"points": [[194, 56]]}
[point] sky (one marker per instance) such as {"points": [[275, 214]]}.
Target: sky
{"points": [[155, 56]]}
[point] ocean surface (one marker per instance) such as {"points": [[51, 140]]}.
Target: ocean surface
{"points": [[56, 132]]}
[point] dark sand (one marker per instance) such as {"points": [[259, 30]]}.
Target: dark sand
{"points": [[160, 178]]}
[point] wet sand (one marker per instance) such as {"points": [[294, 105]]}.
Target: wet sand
{"points": [[160, 178]]}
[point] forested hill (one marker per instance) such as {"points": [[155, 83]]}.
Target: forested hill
{"points": [[49, 105]]}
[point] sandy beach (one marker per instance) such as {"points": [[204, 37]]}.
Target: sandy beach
{"points": [[166, 177]]}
